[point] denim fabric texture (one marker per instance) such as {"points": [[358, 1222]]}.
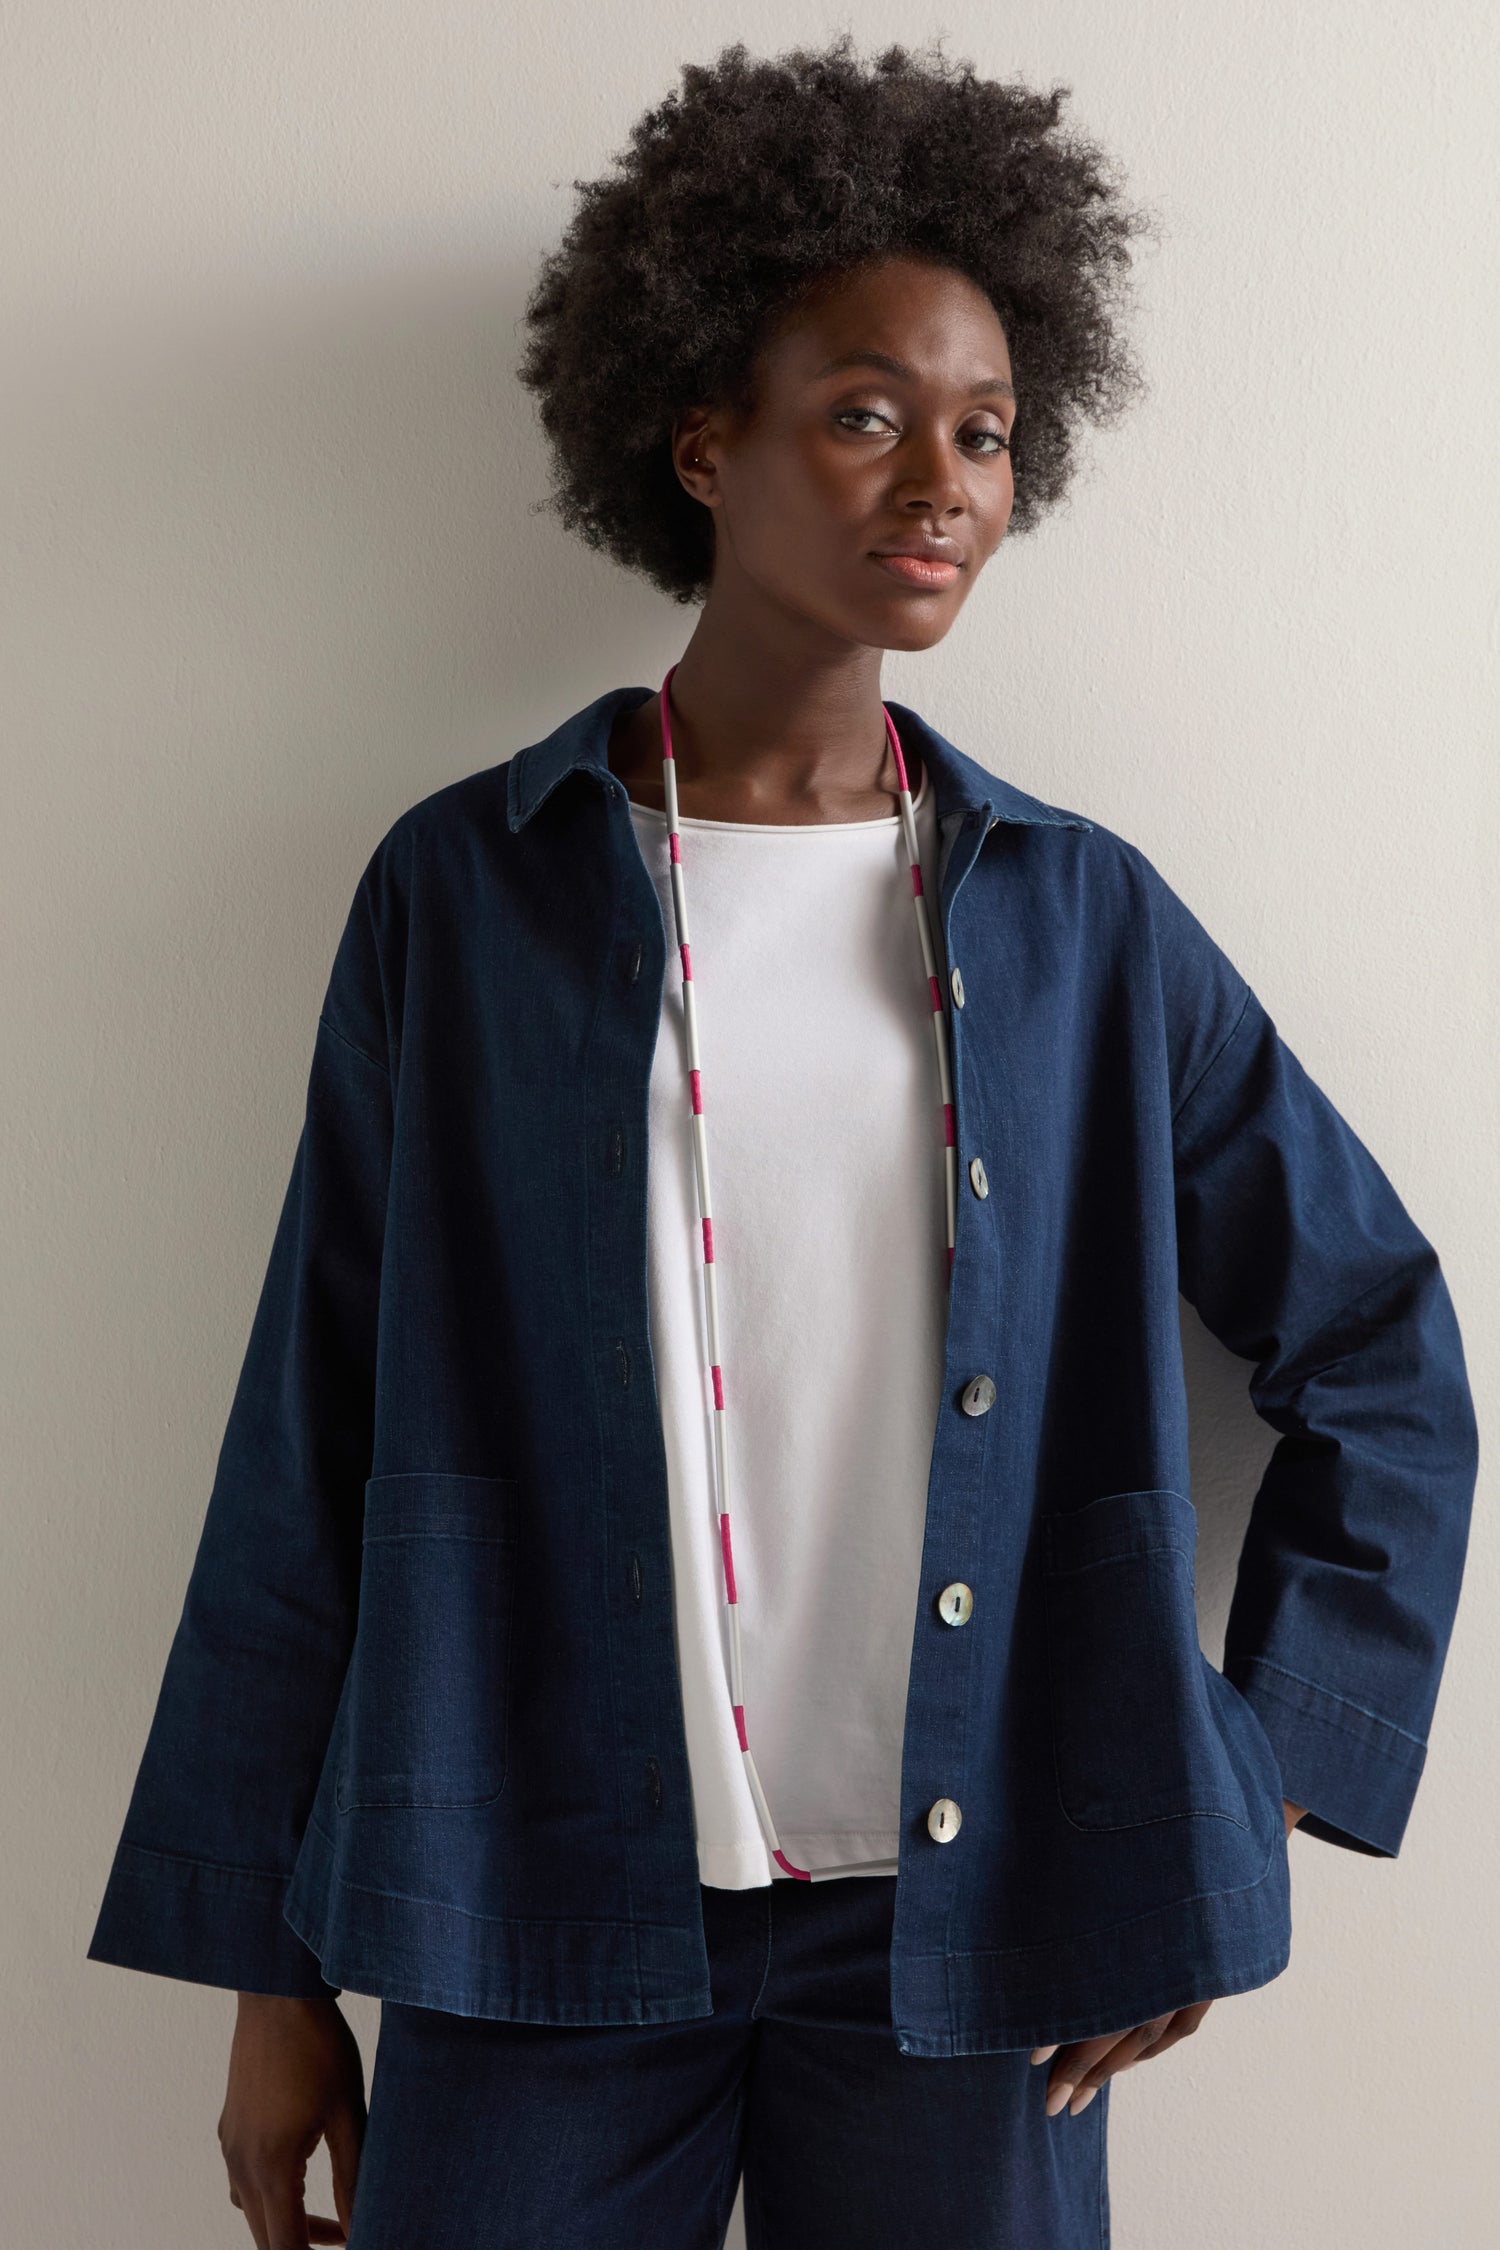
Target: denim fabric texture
{"points": [[420, 1728], [483, 2134]]}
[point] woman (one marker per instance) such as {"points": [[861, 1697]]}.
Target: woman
{"points": [[721, 1662]]}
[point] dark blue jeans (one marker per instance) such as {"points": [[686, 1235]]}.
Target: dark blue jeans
{"points": [[518, 2136]]}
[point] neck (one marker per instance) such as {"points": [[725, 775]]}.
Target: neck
{"points": [[766, 730]]}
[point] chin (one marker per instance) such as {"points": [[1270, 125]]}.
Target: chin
{"points": [[910, 634]]}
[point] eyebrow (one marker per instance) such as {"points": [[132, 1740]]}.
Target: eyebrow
{"points": [[898, 367]]}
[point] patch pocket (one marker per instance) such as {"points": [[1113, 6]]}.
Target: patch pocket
{"points": [[1134, 1735], [429, 1676]]}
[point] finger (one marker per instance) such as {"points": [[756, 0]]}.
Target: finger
{"points": [[325, 2230], [1145, 2040], [1124, 2053], [1151, 2046], [286, 2217], [345, 2132], [1170, 2037], [1178, 2026], [1186, 2020], [245, 2198], [1078, 2096], [1079, 2056]]}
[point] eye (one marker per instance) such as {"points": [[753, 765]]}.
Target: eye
{"points": [[1001, 444]]}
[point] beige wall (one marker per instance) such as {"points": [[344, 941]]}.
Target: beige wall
{"points": [[269, 575]]}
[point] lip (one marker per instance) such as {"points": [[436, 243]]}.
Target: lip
{"points": [[918, 570]]}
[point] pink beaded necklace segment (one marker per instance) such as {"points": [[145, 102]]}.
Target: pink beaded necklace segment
{"points": [[705, 1207]]}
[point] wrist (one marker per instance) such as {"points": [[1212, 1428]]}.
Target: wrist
{"points": [[265, 2003]]}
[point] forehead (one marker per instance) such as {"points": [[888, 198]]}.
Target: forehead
{"points": [[928, 318]]}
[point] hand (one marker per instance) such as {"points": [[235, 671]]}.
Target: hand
{"points": [[295, 2078], [1084, 2064]]}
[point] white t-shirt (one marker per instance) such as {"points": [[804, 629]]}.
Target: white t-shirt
{"points": [[823, 1112]]}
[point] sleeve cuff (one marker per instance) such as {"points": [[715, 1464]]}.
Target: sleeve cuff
{"points": [[1356, 1774], [211, 1925]]}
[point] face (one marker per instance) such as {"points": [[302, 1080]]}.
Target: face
{"points": [[882, 419]]}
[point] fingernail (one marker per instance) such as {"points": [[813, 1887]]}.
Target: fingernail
{"points": [[1040, 2054], [1057, 2099], [1083, 2101]]}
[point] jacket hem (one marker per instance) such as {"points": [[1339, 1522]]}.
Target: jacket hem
{"points": [[422, 1953], [209, 1924], [1081, 1986], [1000, 2036]]}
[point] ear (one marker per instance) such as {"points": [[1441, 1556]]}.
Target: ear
{"points": [[690, 438]]}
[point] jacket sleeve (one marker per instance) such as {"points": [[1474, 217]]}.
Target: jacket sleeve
{"points": [[254, 1673], [1298, 1254]]}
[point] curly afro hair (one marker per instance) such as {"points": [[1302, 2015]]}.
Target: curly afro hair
{"points": [[761, 179]]}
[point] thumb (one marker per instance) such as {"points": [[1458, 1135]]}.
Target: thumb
{"points": [[344, 2133]]}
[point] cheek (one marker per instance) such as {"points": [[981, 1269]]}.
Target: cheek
{"points": [[997, 514], [790, 528]]}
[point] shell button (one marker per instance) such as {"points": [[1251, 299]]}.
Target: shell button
{"points": [[956, 1603], [944, 1821]]}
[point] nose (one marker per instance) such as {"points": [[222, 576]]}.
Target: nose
{"points": [[932, 478]]}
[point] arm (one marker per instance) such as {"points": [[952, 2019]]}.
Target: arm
{"points": [[255, 1669], [296, 2077], [1299, 1255]]}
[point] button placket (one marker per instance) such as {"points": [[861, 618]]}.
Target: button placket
{"points": [[977, 1393]]}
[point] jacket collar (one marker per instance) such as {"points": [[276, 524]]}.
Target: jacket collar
{"points": [[960, 783]]}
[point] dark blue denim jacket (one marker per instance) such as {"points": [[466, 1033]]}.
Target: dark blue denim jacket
{"points": [[420, 1732]]}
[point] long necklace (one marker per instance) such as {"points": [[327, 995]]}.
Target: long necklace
{"points": [[705, 1206]]}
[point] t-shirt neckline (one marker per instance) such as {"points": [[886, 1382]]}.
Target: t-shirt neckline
{"points": [[788, 827]]}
